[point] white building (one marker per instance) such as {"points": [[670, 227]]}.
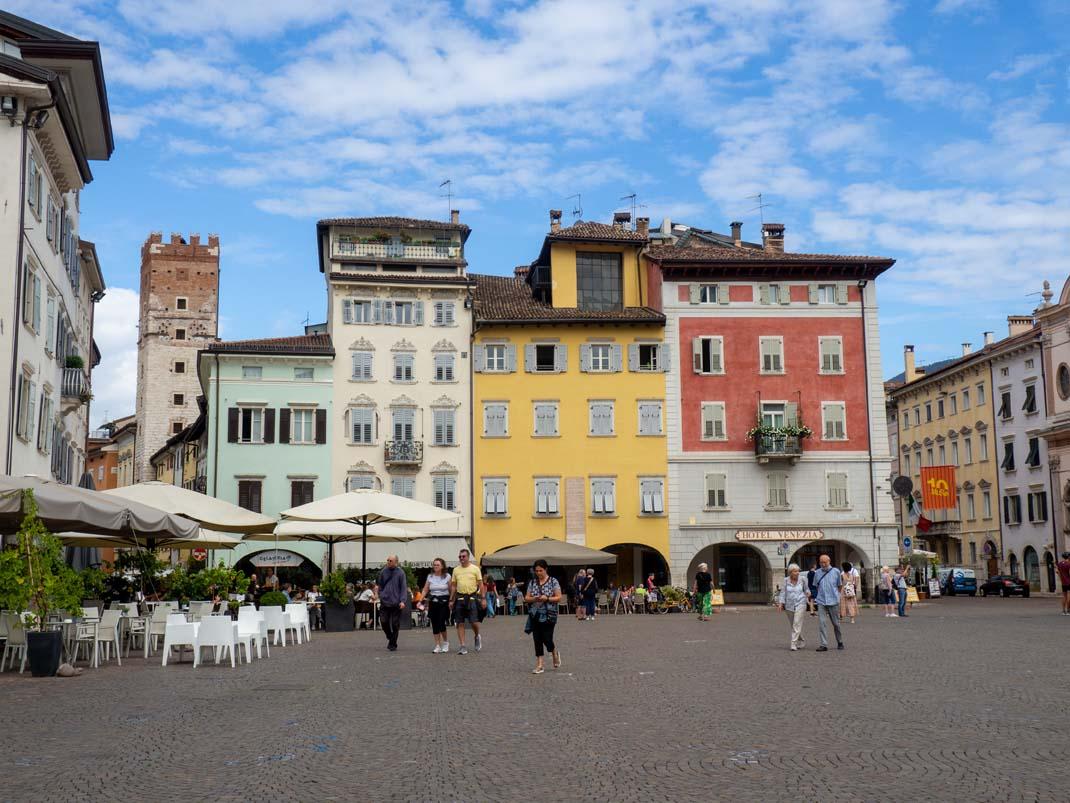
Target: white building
{"points": [[53, 97], [399, 315]]}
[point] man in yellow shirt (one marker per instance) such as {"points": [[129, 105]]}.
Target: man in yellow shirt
{"points": [[466, 598]]}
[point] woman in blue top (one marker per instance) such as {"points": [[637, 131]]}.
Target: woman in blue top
{"points": [[544, 593]]}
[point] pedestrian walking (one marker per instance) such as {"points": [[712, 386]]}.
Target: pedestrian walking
{"points": [[512, 595], [1064, 581], [491, 596], [792, 599], [828, 580], [393, 591], [590, 592], [887, 592], [810, 575], [852, 587], [703, 588], [900, 581], [466, 598], [577, 594], [544, 593], [437, 601]]}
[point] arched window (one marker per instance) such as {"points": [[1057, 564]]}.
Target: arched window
{"points": [[1032, 568], [1014, 565]]}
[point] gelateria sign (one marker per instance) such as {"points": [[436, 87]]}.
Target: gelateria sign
{"points": [[779, 535]]}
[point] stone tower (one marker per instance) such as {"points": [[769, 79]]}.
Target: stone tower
{"points": [[179, 316]]}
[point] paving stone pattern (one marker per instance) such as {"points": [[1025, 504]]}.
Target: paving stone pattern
{"points": [[646, 708]]}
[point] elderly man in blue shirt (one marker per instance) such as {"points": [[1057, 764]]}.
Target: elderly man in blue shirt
{"points": [[828, 580]]}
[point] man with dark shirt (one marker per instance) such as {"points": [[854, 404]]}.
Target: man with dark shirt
{"points": [[1064, 581], [810, 579], [703, 591], [393, 593]]}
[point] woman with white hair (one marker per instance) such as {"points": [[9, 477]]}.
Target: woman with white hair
{"points": [[703, 588], [792, 599]]}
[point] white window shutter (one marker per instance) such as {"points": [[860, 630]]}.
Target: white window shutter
{"points": [[763, 293], [633, 356], [791, 414], [510, 358], [694, 292], [785, 294], [347, 311], [418, 313], [479, 359], [585, 357], [560, 358], [841, 292], [696, 354], [722, 294], [715, 354], [812, 293], [616, 357], [529, 358], [377, 310], [664, 357]]}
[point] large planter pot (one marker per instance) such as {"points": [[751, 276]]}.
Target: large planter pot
{"points": [[43, 651], [338, 618]]}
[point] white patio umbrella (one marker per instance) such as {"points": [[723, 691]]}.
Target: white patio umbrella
{"points": [[552, 550], [209, 539], [215, 514], [331, 533], [366, 508]]}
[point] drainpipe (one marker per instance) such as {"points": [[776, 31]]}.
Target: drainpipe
{"points": [[17, 320], [471, 419], [1053, 488], [995, 448], [869, 442], [215, 436]]}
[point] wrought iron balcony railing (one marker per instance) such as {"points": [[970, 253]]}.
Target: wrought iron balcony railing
{"points": [[778, 447], [404, 453]]}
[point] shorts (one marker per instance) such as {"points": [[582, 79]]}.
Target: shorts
{"points": [[1066, 588], [466, 610], [887, 597]]}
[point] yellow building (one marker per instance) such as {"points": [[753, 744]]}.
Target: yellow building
{"points": [[945, 417], [569, 401]]}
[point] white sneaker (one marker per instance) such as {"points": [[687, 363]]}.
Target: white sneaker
{"points": [[445, 646], [437, 650], [479, 643]]}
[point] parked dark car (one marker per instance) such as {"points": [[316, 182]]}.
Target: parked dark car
{"points": [[1005, 586]]}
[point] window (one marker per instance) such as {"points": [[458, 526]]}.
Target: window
{"points": [[650, 418], [444, 367], [45, 424], [826, 294], [546, 419], [1029, 364], [356, 311], [600, 356], [1038, 506], [1007, 464], [403, 486], [496, 419], [929, 456], [834, 421], [444, 313], [249, 495], [600, 418], [362, 425], [445, 491], [906, 420], [1062, 377], [50, 222], [1033, 458], [954, 453], [906, 465], [980, 395], [178, 399], [598, 282], [405, 312], [33, 194], [772, 349], [50, 325], [928, 412], [252, 372], [304, 374], [180, 333], [251, 425], [939, 408], [547, 492], [181, 303], [837, 490], [27, 396], [404, 423], [713, 421], [495, 357], [716, 497], [544, 357], [649, 357], [301, 492], [708, 355], [984, 447], [1004, 371], [444, 421], [303, 425], [652, 496], [31, 297], [971, 508], [831, 355], [953, 400], [967, 444], [1030, 405], [180, 366], [603, 496], [777, 486], [1012, 509], [942, 452], [360, 482], [495, 497], [774, 294], [362, 366], [403, 364], [917, 416], [1005, 411], [986, 504], [707, 293], [774, 414]]}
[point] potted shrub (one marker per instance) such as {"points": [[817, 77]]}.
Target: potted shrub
{"points": [[34, 576], [273, 598], [338, 606], [74, 361]]}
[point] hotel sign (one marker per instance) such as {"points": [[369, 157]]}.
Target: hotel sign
{"points": [[779, 535]]}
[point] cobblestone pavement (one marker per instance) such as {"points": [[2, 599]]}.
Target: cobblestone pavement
{"points": [[966, 699]]}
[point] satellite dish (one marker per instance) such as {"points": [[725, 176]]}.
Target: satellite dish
{"points": [[903, 486]]}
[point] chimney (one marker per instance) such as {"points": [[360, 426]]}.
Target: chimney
{"points": [[666, 226], [520, 271], [773, 237], [737, 233], [642, 225], [621, 219], [966, 349], [988, 338], [455, 216], [1016, 324], [555, 220], [910, 373]]}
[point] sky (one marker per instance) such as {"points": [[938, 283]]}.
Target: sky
{"points": [[935, 132]]}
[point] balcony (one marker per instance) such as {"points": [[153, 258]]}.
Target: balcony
{"points": [[74, 388], [398, 250], [778, 447], [404, 453]]}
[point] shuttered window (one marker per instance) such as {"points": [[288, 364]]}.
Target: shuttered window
{"points": [[444, 313], [444, 427], [302, 425], [444, 367], [1038, 506], [445, 492], [707, 355], [403, 367], [831, 355], [600, 418], [650, 418], [546, 418], [404, 423], [837, 490], [359, 482], [362, 424], [603, 496], [1012, 509], [652, 496], [301, 492], [834, 421], [716, 493], [495, 497], [362, 366], [251, 423], [1030, 405], [403, 486], [496, 419], [772, 352], [1005, 410], [713, 421], [1033, 458], [648, 357], [249, 495], [1007, 463], [777, 487], [547, 492]]}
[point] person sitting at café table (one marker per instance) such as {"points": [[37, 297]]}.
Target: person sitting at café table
{"points": [[286, 589], [315, 608]]}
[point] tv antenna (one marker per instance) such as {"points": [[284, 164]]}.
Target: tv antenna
{"points": [[760, 207], [448, 184], [307, 320], [577, 209], [634, 205]]}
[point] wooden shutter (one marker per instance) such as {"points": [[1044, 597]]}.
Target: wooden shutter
{"points": [[694, 293], [811, 290], [791, 414], [295, 494], [510, 358], [284, 425], [585, 357], [633, 356], [560, 358], [254, 496], [418, 313], [722, 294], [841, 292], [763, 294], [321, 426], [232, 425], [478, 359], [529, 358], [696, 354], [269, 425], [616, 357], [347, 311], [664, 357], [243, 494], [785, 294]]}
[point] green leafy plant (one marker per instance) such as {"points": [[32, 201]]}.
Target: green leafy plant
{"points": [[74, 361], [333, 589], [410, 576], [763, 430], [273, 598], [672, 595], [94, 583]]}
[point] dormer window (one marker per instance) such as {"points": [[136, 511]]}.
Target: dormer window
{"points": [[599, 285]]}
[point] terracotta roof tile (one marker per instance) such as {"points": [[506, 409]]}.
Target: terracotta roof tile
{"points": [[394, 223], [297, 344], [590, 230], [500, 299], [669, 254]]}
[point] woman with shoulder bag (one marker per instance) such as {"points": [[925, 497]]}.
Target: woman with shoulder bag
{"points": [[544, 593], [851, 587], [436, 597]]}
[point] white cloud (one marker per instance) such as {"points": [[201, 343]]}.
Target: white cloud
{"points": [[128, 125], [957, 6], [1023, 65], [252, 19], [115, 333]]}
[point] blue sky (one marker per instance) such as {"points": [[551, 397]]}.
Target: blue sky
{"points": [[935, 132]]}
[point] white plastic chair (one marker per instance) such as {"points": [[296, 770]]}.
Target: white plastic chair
{"points": [[107, 634], [178, 633], [218, 632], [16, 641], [277, 621], [91, 614], [157, 628], [298, 613], [251, 625]]}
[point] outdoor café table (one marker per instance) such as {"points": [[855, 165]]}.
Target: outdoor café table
{"points": [[125, 623]]}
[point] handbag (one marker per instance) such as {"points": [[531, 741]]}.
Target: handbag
{"points": [[849, 590]]}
